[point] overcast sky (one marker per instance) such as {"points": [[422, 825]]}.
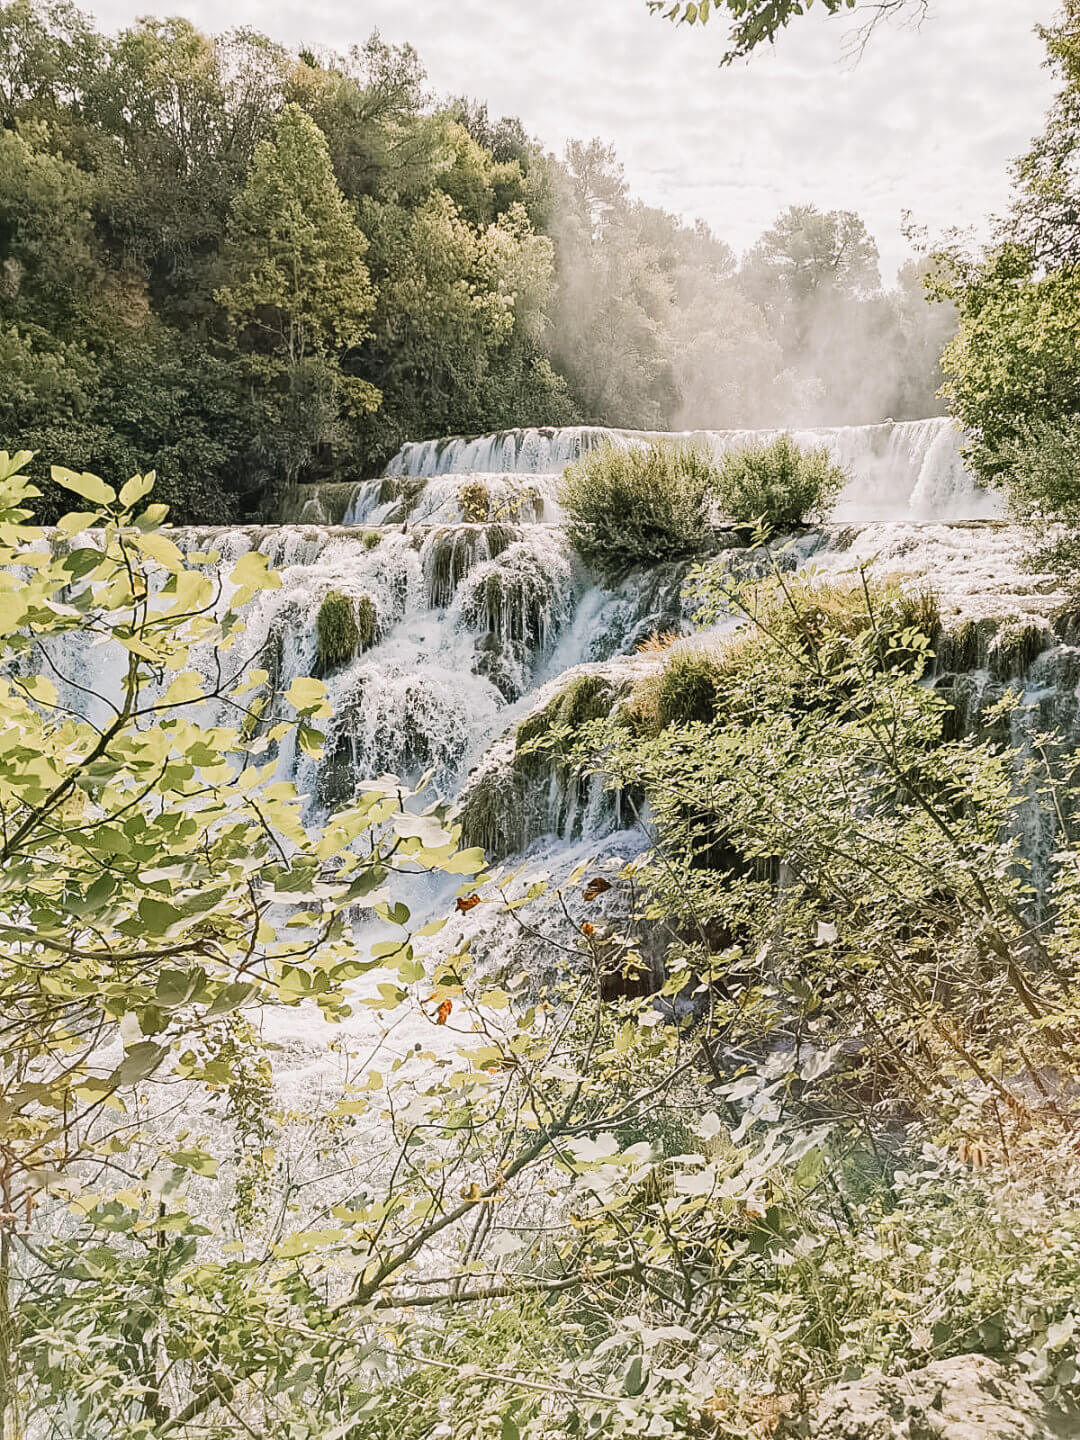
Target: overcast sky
{"points": [[926, 120]]}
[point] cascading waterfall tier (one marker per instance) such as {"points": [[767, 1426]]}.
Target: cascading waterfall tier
{"points": [[481, 620], [910, 469]]}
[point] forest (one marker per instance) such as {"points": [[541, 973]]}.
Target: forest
{"points": [[489, 285], [553, 934]]}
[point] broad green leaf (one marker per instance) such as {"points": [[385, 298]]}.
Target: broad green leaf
{"points": [[90, 487], [136, 489]]}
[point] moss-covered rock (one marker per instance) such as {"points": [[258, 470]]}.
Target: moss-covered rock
{"points": [[337, 635], [959, 649], [1016, 647], [367, 620], [583, 698], [405, 489], [493, 811], [532, 790], [833, 619], [344, 628]]}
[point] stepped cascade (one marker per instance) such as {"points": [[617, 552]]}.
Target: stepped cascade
{"points": [[479, 607], [478, 613]]}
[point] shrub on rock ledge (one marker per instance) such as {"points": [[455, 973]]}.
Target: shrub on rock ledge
{"points": [[778, 482], [639, 506]]}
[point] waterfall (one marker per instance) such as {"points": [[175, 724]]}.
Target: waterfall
{"points": [[910, 469], [483, 618], [480, 612]]}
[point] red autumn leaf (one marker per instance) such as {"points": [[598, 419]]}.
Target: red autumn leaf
{"points": [[466, 903], [596, 887], [443, 1012]]}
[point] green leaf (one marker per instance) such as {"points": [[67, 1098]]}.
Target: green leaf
{"points": [[139, 1061], [157, 915], [136, 489], [197, 1161], [306, 694], [634, 1381], [90, 487]]}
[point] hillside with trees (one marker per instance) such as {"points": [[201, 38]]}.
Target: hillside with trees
{"points": [[247, 267]]}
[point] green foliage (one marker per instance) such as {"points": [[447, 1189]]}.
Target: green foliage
{"points": [[754, 23], [296, 280], [1043, 470], [1011, 372], [777, 482], [475, 501], [799, 623], [364, 244], [824, 1124], [639, 506]]}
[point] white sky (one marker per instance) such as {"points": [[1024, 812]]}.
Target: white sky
{"points": [[926, 121]]}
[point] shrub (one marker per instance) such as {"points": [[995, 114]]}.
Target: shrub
{"points": [[688, 688], [475, 501], [804, 615], [630, 507], [778, 482]]}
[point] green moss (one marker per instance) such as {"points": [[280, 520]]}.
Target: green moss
{"points": [[371, 538], [404, 488], [492, 812], [507, 805], [367, 621], [343, 629], [452, 554], [959, 649], [1016, 647], [584, 698]]}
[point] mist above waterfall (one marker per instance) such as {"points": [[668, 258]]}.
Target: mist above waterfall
{"points": [[657, 323]]}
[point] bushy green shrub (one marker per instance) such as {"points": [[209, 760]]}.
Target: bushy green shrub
{"points": [[779, 482], [788, 623], [688, 688], [630, 507]]}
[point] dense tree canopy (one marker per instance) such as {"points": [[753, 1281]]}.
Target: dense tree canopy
{"points": [[281, 265]]}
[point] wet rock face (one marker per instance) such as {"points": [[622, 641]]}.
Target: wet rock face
{"points": [[970, 1397]]}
